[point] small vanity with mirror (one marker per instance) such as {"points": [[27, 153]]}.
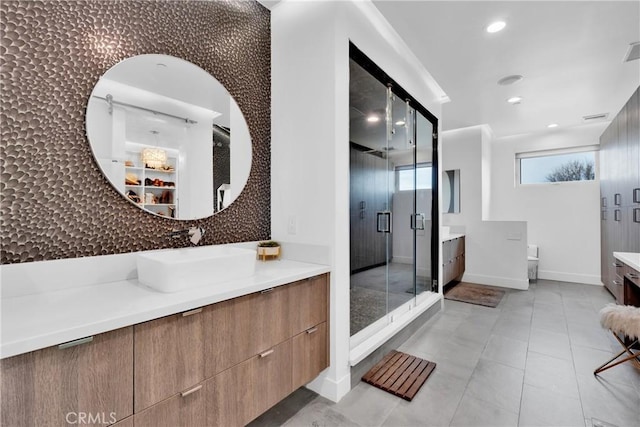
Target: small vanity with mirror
{"points": [[169, 137]]}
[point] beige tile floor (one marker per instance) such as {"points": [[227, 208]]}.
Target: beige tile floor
{"points": [[527, 362]]}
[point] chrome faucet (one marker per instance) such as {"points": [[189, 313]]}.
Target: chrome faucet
{"points": [[194, 234]]}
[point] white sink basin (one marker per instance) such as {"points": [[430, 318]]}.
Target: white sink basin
{"points": [[174, 270]]}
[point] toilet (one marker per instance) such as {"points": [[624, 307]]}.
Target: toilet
{"points": [[532, 261]]}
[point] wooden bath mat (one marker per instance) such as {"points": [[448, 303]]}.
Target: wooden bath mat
{"points": [[400, 374]]}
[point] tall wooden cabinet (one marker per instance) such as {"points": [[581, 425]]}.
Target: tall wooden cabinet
{"points": [[620, 191], [369, 176]]}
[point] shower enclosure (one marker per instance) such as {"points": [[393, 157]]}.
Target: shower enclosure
{"points": [[393, 188]]}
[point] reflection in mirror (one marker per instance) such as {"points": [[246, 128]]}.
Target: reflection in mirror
{"points": [[160, 129], [451, 191]]}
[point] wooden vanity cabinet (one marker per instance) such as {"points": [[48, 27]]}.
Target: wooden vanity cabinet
{"points": [[77, 380], [168, 356], [453, 259], [219, 365]]}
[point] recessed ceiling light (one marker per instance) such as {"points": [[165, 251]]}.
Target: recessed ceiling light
{"points": [[509, 80], [400, 123], [515, 100], [373, 119], [494, 27], [552, 125]]}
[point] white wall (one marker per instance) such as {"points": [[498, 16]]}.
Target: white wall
{"points": [[563, 219], [310, 137], [496, 251]]}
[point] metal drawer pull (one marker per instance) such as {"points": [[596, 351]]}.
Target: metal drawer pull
{"points": [[266, 353], [633, 275], [75, 343], [615, 282], [617, 199], [617, 215], [636, 215], [636, 195], [193, 390], [191, 312], [266, 291], [617, 264], [312, 330]]}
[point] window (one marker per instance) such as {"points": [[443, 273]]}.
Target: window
{"points": [[405, 177], [539, 167]]}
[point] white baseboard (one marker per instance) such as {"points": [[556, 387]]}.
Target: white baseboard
{"points": [[561, 276], [330, 388], [502, 282]]}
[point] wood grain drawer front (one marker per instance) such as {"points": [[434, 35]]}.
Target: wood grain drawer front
{"points": [[229, 396], [271, 319], [446, 251], [228, 337], [632, 275], [185, 409], [272, 376], [238, 329], [54, 385], [310, 354], [619, 268], [457, 247], [168, 357], [308, 303]]}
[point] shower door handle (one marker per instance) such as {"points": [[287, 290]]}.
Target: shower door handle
{"points": [[384, 221], [417, 221]]}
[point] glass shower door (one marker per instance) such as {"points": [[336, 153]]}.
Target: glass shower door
{"points": [[370, 216], [391, 196]]}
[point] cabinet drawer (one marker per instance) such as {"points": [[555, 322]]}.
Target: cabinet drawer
{"points": [[272, 376], [185, 409], [617, 289], [238, 329], [238, 395], [446, 251], [618, 268], [457, 247], [168, 357], [310, 354], [632, 275], [308, 303], [58, 385], [229, 396]]}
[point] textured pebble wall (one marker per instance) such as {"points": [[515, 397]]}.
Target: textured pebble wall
{"points": [[54, 201]]}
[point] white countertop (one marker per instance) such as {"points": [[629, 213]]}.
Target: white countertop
{"points": [[452, 236], [32, 322], [632, 259]]}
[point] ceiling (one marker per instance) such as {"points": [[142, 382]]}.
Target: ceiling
{"points": [[569, 52]]}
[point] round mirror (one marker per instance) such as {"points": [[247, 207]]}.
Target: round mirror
{"points": [[169, 137]]}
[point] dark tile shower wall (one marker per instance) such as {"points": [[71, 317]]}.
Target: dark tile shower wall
{"points": [[54, 201]]}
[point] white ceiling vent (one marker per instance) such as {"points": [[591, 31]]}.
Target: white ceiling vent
{"points": [[595, 117], [633, 53]]}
